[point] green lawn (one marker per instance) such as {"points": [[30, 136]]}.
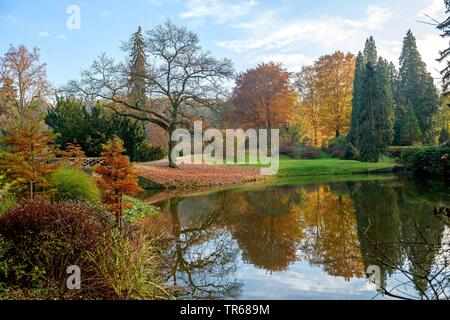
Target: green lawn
{"points": [[293, 168]]}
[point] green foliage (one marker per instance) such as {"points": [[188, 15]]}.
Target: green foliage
{"points": [[357, 98], [129, 269], [137, 65], [409, 131], [73, 184], [7, 201], [137, 209], [417, 86], [374, 128], [443, 136], [148, 152], [432, 161], [93, 127], [395, 152]]}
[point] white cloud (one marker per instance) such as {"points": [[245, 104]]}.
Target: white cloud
{"points": [[11, 18], [43, 34], [435, 10], [219, 10], [62, 36], [105, 13], [377, 17], [316, 31], [429, 48], [295, 61]]}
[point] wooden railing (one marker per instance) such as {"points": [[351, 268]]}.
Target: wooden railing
{"points": [[86, 163]]}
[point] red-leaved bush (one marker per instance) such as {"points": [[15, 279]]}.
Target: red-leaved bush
{"points": [[43, 239]]}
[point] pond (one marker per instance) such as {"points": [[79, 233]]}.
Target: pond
{"points": [[312, 240]]}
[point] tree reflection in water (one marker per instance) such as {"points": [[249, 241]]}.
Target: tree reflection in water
{"points": [[203, 257], [343, 228]]}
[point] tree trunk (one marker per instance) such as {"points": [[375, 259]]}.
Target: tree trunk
{"points": [[172, 161]]}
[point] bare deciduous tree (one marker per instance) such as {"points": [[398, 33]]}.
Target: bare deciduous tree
{"points": [[180, 79], [23, 79]]}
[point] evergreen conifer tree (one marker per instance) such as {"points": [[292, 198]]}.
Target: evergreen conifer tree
{"points": [[417, 86]]}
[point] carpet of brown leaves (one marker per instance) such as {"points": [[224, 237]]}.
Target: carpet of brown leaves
{"points": [[197, 175]]}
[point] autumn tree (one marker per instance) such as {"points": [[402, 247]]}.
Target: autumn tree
{"points": [[74, 154], [263, 97], [180, 78], [309, 108], [334, 85], [117, 177], [23, 79], [29, 147], [7, 97]]}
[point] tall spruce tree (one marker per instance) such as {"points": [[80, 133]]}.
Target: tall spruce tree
{"points": [[375, 114], [444, 26], [138, 72], [417, 86], [399, 103], [137, 65], [356, 100], [385, 100], [409, 129]]}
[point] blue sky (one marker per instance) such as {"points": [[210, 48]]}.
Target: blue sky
{"points": [[293, 32]]}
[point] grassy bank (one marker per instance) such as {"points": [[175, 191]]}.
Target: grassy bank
{"points": [[213, 176], [295, 168]]}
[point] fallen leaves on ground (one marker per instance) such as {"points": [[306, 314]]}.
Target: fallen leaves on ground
{"points": [[197, 175]]}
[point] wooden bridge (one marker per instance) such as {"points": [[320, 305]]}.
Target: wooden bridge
{"points": [[86, 163]]}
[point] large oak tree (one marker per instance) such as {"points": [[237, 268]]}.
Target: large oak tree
{"points": [[180, 78]]}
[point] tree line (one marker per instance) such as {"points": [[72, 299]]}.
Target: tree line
{"points": [[168, 80]]}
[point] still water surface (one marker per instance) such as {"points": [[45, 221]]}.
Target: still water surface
{"points": [[312, 241]]}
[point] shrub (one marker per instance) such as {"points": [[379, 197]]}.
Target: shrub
{"points": [[433, 161], [39, 240], [300, 151], [7, 201], [395, 152], [444, 136], [73, 184], [43, 239], [148, 152], [350, 152], [128, 269], [336, 147], [136, 209]]}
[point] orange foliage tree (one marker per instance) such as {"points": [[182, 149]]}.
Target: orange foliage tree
{"points": [[29, 148], [325, 91], [263, 97], [74, 154], [335, 74], [117, 176]]}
